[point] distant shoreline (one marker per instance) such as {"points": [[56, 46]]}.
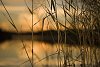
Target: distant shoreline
{"points": [[51, 36]]}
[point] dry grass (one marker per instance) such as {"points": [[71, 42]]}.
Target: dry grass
{"points": [[84, 15]]}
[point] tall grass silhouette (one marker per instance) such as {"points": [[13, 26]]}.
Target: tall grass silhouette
{"points": [[83, 17], [13, 24]]}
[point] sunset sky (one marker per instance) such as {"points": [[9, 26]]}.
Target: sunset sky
{"points": [[19, 14], [22, 17]]}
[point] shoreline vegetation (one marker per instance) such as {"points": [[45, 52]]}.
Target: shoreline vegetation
{"points": [[84, 14], [50, 36]]}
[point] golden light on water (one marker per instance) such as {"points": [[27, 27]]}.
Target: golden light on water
{"points": [[56, 50], [17, 54]]}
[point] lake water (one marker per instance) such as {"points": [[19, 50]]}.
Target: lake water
{"points": [[12, 54]]}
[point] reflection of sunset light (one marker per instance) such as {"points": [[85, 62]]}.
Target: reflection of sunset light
{"points": [[39, 49]]}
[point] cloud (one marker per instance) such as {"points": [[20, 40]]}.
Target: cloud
{"points": [[13, 8], [22, 2]]}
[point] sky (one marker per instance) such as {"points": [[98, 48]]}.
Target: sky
{"points": [[22, 17], [19, 14]]}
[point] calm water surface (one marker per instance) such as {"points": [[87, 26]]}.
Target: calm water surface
{"points": [[12, 54]]}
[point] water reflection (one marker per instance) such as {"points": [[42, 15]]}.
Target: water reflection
{"points": [[12, 54]]}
